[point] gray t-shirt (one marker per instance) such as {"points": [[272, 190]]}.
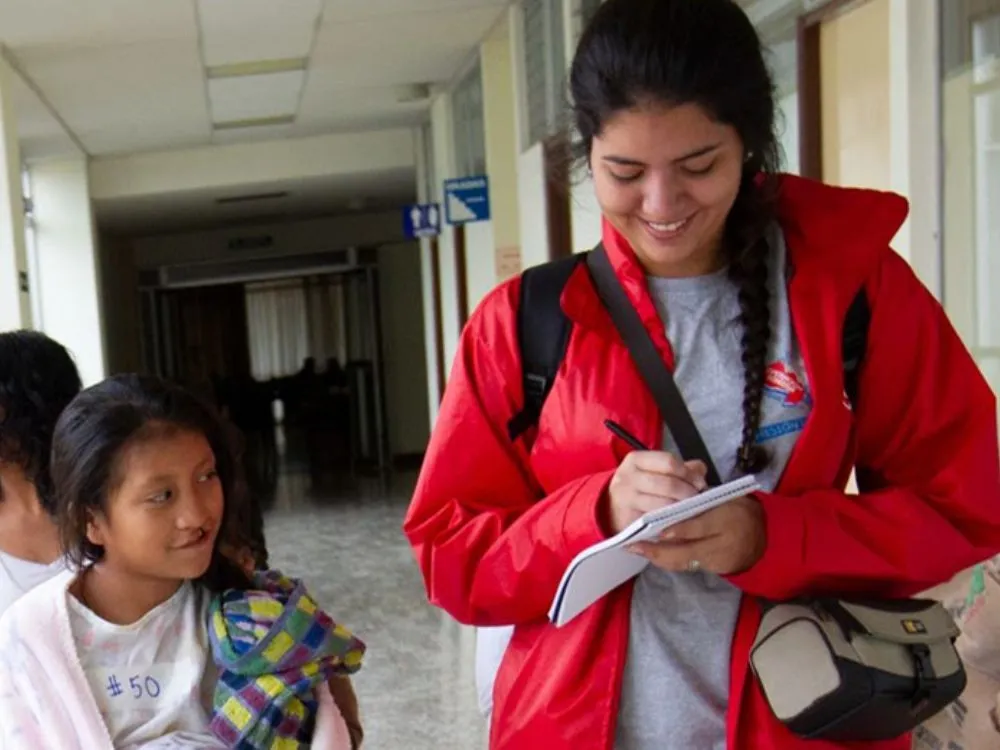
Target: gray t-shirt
{"points": [[676, 683]]}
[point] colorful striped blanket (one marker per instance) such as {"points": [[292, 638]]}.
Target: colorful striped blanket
{"points": [[273, 646]]}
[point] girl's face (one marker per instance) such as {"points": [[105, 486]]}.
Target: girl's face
{"points": [[666, 178], [162, 520]]}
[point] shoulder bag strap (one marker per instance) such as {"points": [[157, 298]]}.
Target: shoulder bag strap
{"points": [[654, 371]]}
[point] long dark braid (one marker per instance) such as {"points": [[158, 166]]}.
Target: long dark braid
{"points": [[747, 243], [750, 273]]}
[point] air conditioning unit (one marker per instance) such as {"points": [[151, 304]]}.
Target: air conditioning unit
{"points": [[243, 270]]}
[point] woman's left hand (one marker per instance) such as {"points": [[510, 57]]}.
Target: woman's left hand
{"points": [[726, 540]]}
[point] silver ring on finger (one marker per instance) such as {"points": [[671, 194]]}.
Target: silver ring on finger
{"points": [[694, 566]]}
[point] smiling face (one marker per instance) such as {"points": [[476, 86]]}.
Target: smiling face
{"points": [[162, 520], [666, 179]]}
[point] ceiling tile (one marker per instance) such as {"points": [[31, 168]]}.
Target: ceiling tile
{"points": [[241, 30], [48, 24], [426, 47], [148, 95]]}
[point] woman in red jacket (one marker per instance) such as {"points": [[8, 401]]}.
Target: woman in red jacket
{"points": [[743, 279]]}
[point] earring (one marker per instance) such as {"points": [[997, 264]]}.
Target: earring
{"points": [[748, 157]]}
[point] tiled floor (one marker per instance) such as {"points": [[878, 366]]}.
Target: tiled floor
{"points": [[416, 687]]}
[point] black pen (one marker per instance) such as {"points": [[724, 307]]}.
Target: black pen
{"points": [[625, 435]]}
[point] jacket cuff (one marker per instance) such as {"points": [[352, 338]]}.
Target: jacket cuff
{"points": [[775, 574], [583, 524]]}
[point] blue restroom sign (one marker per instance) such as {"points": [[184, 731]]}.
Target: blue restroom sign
{"points": [[467, 199], [422, 220]]}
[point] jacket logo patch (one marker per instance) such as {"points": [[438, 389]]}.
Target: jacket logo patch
{"points": [[783, 384]]}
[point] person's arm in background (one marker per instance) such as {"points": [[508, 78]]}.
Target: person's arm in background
{"points": [[929, 468], [344, 696], [491, 550]]}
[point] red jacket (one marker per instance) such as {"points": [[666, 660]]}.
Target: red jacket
{"points": [[494, 524]]}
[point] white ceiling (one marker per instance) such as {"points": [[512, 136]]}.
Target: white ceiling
{"points": [[128, 76]]}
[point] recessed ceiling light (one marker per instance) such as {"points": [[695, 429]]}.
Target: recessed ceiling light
{"points": [[257, 67], [256, 122]]}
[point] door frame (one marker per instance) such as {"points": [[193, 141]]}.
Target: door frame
{"points": [[810, 83], [461, 276], [558, 189], [435, 254]]}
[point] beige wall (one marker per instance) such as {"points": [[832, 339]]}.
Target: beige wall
{"points": [[500, 115], [120, 304], [854, 69], [403, 347]]}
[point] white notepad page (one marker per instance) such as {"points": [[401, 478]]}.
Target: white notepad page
{"points": [[607, 565]]}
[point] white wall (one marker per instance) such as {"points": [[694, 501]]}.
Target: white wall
{"points": [[403, 348], [240, 164], [68, 281], [480, 261], [585, 214], [533, 204], [914, 70], [420, 147], [444, 168], [290, 238], [15, 308]]}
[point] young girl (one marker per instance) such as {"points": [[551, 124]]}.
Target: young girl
{"points": [[116, 653]]}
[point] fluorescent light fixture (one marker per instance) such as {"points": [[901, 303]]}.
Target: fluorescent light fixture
{"points": [[254, 122], [258, 98], [252, 197], [257, 67]]}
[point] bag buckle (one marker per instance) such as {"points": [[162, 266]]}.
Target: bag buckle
{"points": [[535, 386], [923, 671]]}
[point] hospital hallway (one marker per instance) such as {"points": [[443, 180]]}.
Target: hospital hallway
{"points": [[416, 687]]}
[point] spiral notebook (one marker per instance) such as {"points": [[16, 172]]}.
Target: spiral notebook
{"points": [[607, 565]]}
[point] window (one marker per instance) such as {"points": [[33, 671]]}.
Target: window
{"points": [[468, 125], [970, 100], [777, 24], [544, 68]]}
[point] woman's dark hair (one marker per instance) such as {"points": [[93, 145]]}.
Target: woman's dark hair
{"points": [[90, 441], [703, 52], [37, 380]]}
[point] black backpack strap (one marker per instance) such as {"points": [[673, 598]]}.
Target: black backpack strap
{"points": [[855, 343], [542, 334]]}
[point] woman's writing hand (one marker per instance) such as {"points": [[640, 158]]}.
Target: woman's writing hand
{"points": [[726, 540], [649, 480]]}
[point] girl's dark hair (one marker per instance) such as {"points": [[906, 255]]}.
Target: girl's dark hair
{"points": [[37, 380], [703, 52], [88, 446]]}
